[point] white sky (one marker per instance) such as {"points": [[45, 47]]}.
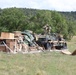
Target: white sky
{"points": [[58, 5]]}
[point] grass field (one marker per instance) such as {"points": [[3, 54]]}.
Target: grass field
{"points": [[46, 63]]}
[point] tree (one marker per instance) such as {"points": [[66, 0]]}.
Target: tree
{"points": [[12, 19], [59, 23]]}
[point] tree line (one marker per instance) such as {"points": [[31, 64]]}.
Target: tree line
{"points": [[12, 19]]}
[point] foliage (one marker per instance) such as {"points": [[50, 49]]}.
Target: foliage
{"points": [[12, 19]]}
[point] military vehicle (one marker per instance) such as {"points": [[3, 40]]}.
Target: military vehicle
{"points": [[47, 40], [50, 40]]}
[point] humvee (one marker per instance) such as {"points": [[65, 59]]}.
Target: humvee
{"points": [[52, 41]]}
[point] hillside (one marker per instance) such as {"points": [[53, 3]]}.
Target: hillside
{"points": [[68, 15], [12, 19]]}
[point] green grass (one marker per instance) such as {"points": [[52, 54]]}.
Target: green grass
{"points": [[46, 63], [53, 63], [72, 44]]}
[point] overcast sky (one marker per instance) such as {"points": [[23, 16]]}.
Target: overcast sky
{"points": [[58, 5]]}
